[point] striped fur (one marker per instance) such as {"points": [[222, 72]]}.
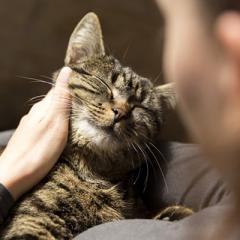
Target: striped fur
{"points": [[64, 205], [116, 117]]}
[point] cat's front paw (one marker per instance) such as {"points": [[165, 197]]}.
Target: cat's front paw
{"points": [[174, 213]]}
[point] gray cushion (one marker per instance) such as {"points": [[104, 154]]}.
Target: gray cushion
{"points": [[4, 137], [198, 226], [189, 180]]}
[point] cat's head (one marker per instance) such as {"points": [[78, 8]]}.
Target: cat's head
{"points": [[113, 109]]}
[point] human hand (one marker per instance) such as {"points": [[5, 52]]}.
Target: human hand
{"points": [[38, 140]]}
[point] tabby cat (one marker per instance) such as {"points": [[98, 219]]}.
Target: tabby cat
{"points": [[116, 116]]}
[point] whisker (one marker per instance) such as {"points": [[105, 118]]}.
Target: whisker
{"points": [[36, 80], [129, 149], [126, 51], [133, 146], [157, 77], [36, 98], [147, 175], [159, 166], [163, 157], [138, 175], [139, 169], [47, 77], [149, 141]]}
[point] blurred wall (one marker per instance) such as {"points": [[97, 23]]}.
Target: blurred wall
{"points": [[34, 35]]}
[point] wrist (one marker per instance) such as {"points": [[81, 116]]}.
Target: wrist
{"points": [[11, 183], [14, 178]]}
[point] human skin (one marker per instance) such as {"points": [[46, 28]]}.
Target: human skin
{"points": [[38, 140], [202, 56], [203, 59]]}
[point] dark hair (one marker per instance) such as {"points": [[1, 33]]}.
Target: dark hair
{"points": [[215, 7]]}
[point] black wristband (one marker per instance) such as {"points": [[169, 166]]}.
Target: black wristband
{"points": [[6, 202]]}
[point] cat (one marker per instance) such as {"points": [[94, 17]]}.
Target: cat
{"points": [[116, 116]]}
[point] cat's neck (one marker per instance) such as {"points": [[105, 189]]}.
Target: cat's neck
{"points": [[93, 165]]}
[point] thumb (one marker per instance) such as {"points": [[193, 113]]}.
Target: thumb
{"points": [[61, 96]]}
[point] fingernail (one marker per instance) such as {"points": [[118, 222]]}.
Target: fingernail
{"points": [[64, 74]]}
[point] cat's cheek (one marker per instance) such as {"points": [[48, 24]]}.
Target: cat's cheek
{"points": [[136, 114], [145, 124]]}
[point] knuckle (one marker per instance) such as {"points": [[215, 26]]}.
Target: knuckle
{"points": [[35, 106], [24, 119]]}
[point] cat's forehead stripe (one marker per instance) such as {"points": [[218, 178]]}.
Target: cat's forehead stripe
{"points": [[114, 77]]}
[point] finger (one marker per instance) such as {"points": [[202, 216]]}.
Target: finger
{"points": [[61, 95], [56, 102], [40, 108]]}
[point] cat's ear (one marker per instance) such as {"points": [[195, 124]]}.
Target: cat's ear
{"points": [[172, 128], [168, 93], [86, 40]]}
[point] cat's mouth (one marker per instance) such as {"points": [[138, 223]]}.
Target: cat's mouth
{"points": [[118, 130]]}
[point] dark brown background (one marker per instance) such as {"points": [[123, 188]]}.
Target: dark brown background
{"points": [[34, 35]]}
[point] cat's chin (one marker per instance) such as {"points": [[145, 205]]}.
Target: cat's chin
{"points": [[103, 139]]}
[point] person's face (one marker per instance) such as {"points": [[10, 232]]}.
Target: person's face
{"points": [[191, 60], [203, 61]]}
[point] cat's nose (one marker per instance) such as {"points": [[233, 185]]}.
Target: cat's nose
{"points": [[120, 112]]}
